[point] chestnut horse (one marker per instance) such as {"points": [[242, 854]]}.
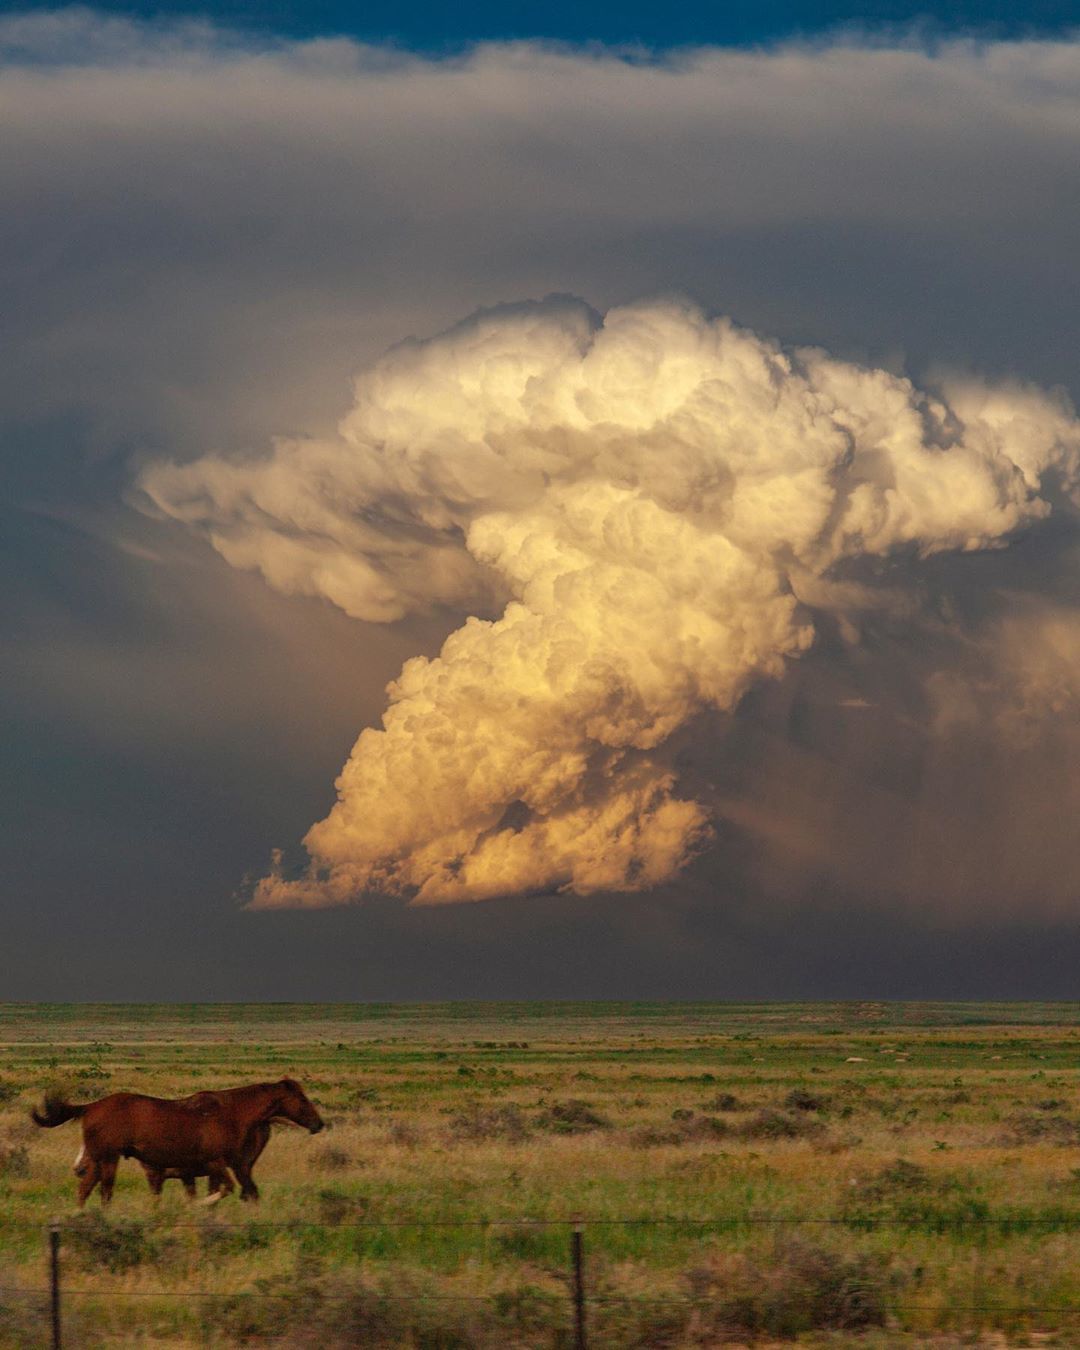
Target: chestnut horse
{"points": [[203, 1135], [220, 1184]]}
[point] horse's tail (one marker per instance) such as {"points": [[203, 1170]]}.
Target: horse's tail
{"points": [[55, 1111]]}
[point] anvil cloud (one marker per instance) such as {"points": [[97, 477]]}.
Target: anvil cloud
{"points": [[652, 506]]}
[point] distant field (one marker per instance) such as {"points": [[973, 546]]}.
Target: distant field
{"points": [[933, 1148]]}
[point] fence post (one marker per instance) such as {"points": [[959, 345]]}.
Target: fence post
{"points": [[577, 1252], [54, 1282]]}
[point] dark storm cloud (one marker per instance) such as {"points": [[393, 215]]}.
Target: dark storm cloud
{"points": [[202, 242]]}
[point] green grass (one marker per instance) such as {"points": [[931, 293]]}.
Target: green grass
{"points": [[466, 1137]]}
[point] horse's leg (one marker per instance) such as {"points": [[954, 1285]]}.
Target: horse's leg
{"points": [[221, 1179], [155, 1176], [189, 1185], [242, 1168], [221, 1183], [107, 1177], [88, 1179]]}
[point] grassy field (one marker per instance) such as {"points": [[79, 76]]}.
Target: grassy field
{"points": [[466, 1139]]}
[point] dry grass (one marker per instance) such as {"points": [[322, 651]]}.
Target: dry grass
{"points": [[524, 1116]]}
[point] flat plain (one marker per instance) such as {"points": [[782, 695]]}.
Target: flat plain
{"points": [[861, 1174]]}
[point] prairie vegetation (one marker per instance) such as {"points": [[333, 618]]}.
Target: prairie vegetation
{"points": [[928, 1151]]}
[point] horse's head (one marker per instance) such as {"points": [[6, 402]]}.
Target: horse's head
{"points": [[293, 1104]]}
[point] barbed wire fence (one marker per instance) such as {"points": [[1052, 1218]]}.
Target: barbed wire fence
{"points": [[51, 1298]]}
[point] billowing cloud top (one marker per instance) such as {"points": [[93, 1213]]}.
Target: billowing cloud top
{"points": [[646, 509]]}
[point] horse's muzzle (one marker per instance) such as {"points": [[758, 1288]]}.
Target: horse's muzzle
{"points": [[319, 1125]]}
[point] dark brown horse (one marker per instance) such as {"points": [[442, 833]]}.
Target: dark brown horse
{"points": [[203, 1135], [221, 1184]]}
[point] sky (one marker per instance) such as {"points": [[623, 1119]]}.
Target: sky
{"points": [[704, 382]]}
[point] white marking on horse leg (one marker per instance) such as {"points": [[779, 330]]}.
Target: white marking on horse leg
{"points": [[212, 1198], [80, 1161]]}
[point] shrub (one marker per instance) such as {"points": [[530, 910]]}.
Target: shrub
{"points": [[22, 1319], [14, 1162], [725, 1101], [335, 1207], [8, 1091], [393, 1308], [529, 1310], [571, 1117], [642, 1321], [899, 1177], [92, 1072], [777, 1125], [478, 1123], [682, 1131], [404, 1134], [528, 1242], [1049, 1129], [219, 1240], [803, 1288], [800, 1100], [329, 1159], [121, 1245]]}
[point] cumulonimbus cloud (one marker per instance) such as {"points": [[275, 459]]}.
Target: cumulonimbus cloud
{"points": [[641, 514]]}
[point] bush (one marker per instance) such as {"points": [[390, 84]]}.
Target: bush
{"points": [[329, 1159], [899, 1177], [572, 1117], [800, 1100], [725, 1101], [393, 1308], [494, 1122], [335, 1207], [14, 1162], [121, 1245], [1050, 1129], [404, 1134], [777, 1125], [219, 1240], [642, 1321], [803, 1288], [8, 1091], [22, 1319], [686, 1129]]}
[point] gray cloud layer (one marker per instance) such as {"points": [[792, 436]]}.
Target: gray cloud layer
{"points": [[202, 243]]}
